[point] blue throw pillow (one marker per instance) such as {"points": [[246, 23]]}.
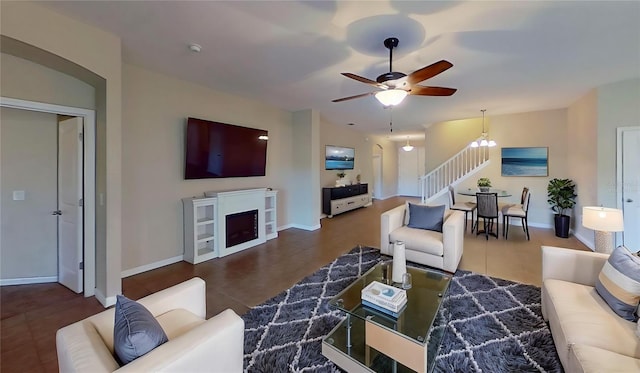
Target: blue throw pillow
{"points": [[135, 331], [426, 217], [619, 283]]}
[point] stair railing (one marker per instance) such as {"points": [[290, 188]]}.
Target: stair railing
{"points": [[460, 166]]}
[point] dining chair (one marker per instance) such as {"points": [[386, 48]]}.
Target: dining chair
{"points": [[517, 211], [487, 210], [466, 207]]}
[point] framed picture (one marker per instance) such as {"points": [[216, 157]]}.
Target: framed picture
{"points": [[525, 161]]}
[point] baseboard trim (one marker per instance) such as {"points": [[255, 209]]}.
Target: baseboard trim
{"points": [[585, 241], [300, 226], [28, 280], [105, 301], [150, 266]]}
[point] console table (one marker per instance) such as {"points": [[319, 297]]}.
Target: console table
{"points": [[336, 200]]}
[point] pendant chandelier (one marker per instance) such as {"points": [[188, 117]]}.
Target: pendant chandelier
{"points": [[483, 139], [408, 147]]}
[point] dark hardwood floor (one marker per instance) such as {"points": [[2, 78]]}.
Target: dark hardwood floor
{"points": [[31, 314]]}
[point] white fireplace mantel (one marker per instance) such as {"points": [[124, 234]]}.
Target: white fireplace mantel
{"points": [[235, 201]]}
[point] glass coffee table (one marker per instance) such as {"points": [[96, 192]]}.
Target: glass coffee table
{"points": [[372, 341]]}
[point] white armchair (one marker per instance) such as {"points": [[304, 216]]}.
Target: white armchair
{"points": [[195, 344], [439, 250]]}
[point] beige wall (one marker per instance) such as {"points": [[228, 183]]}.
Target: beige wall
{"points": [[582, 124], [24, 79], [533, 129], [618, 106], [388, 150], [94, 56], [445, 139], [155, 110], [28, 153], [304, 206], [341, 135]]}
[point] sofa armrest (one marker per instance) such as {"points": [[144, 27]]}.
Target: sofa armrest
{"points": [[581, 267], [217, 345], [390, 221], [453, 240], [81, 349]]}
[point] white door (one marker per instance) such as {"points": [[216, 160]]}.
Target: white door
{"points": [[408, 172], [70, 180], [630, 198], [377, 177]]}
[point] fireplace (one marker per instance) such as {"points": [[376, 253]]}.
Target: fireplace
{"points": [[241, 227]]}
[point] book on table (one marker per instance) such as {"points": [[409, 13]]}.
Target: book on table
{"points": [[377, 310], [385, 296]]}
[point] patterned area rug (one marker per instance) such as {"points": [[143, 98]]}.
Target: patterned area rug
{"points": [[495, 326]]}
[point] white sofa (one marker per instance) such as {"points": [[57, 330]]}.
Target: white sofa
{"points": [[588, 335], [195, 344], [434, 249]]}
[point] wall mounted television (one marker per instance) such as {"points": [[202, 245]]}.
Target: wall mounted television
{"points": [[219, 150], [339, 158]]}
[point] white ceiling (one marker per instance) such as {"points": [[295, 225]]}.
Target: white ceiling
{"points": [[508, 57]]}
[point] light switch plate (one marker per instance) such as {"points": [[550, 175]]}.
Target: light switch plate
{"points": [[18, 195]]}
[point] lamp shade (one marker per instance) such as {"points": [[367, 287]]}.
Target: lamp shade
{"points": [[391, 97], [602, 219]]}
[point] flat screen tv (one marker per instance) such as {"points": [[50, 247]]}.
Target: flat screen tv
{"points": [[219, 150], [339, 158]]}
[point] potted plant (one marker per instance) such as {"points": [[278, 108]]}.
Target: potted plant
{"points": [[561, 195], [484, 184], [341, 181]]}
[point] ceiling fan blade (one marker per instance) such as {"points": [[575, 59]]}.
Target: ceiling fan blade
{"points": [[352, 97], [428, 71], [431, 91], [364, 80]]}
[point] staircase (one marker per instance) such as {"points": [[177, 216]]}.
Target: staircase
{"points": [[457, 168]]}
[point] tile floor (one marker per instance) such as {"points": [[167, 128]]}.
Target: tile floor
{"points": [[31, 314]]}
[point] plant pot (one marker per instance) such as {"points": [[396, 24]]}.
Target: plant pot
{"points": [[562, 223], [484, 189]]}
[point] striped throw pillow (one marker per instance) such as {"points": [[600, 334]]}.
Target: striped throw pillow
{"points": [[619, 283]]}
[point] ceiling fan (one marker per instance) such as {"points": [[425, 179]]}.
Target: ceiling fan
{"points": [[395, 86]]}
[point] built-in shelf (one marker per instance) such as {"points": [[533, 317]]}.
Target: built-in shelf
{"points": [[199, 229], [270, 215]]}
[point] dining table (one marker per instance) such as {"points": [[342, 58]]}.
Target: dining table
{"points": [[472, 192]]}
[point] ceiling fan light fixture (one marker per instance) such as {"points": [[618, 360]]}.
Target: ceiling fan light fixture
{"points": [[492, 143], [391, 97], [474, 144], [484, 142]]}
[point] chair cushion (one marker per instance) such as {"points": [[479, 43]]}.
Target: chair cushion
{"points": [[423, 240], [464, 206], [426, 217], [135, 331], [513, 210], [619, 283]]}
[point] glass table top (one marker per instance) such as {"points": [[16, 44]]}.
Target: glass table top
{"points": [[423, 302]]}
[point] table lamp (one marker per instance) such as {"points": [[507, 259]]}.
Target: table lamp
{"points": [[603, 221]]}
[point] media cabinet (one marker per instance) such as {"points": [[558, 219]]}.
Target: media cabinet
{"points": [[336, 200]]}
